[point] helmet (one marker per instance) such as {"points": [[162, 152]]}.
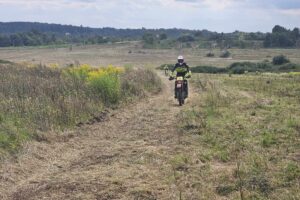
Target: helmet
{"points": [[180, 59]]}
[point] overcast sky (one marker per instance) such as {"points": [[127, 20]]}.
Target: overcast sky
{"points": [[215, 15]]}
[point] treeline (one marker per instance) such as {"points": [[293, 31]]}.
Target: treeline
{"points": [[282, 37], [34, 34], [279, 38], [37, 38], [60, 30]]}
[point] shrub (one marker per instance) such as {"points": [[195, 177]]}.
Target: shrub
{"points": [[208, 69], [210, 54], [80, 73], [225, 54], [279, 60], [288, 67], [4, 62], [105, 82], [242, 67]]}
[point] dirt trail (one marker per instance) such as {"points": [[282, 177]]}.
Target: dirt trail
{"points": [[125, 157]]}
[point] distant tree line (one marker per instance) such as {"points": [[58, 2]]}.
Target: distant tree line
{"points": [[37, 38], [282, 37], [35, 34]]}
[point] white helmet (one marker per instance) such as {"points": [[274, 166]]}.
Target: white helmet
{"points": [[180, 59]]}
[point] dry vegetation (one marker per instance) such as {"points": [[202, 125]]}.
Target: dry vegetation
{"points": [[39, 99], [236, 138]]}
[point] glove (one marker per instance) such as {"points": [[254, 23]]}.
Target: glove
{"points": [[171, 78]]}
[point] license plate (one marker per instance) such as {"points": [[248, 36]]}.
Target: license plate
{"points": [[178, 85]]}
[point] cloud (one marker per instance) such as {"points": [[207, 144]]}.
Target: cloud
{"points": [[290, 12], [216, 15]]}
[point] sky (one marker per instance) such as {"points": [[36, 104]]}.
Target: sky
{"points": [[214, 15]]}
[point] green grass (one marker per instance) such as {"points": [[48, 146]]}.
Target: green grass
{"points": [[247, 130]]}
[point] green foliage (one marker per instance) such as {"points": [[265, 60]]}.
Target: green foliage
{"points": [[280, 60], [208, 69], [282, 37], [149, 39], [163, 36], [38, 38], [107, 87], [4, 62]]}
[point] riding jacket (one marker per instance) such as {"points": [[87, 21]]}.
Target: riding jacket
{"points": [[181, 69]]}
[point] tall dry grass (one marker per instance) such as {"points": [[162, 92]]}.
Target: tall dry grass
{"points": [[39, 98]]}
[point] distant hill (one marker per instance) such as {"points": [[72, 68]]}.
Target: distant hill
{"points": [[8, 28]]}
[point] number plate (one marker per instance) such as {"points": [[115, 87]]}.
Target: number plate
{"points": [[178, 85]]}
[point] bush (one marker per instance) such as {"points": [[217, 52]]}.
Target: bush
{"points": [[210, 54], [208, 69], [279, 60], [288, 67], [105, 82], [4, 62], [225, 54]]}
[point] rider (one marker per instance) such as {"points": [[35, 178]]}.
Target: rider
{"points": [[182, 69]]}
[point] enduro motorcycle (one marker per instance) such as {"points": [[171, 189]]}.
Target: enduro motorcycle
{"points": [[180, 92]]}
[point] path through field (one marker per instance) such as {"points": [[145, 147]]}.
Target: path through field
{"points": [[125, 157]]}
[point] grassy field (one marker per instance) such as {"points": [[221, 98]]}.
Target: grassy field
{"points": [[245, 130], [133, 54], [236, 138]]}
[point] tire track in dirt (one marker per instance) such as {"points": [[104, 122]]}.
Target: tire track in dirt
{"points": [[125, 157]]}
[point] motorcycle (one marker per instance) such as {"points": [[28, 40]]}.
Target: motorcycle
{"points": [[180, 92]]}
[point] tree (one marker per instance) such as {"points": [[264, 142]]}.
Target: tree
{"points": [[163, 36], [148, 38], [4, 41], [279, 29], [16, 40], [186, 38]]}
